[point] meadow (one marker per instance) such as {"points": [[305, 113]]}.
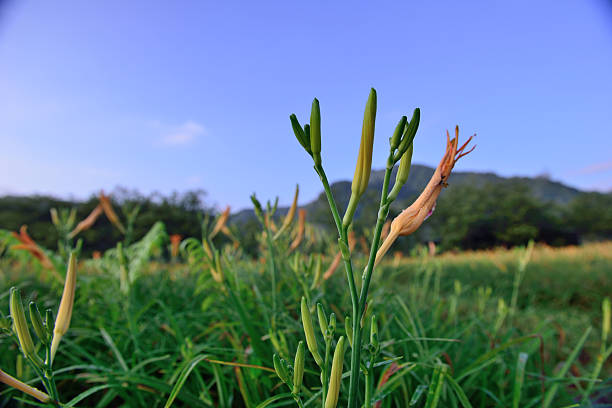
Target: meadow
{"points": [[184, 336], [200, 322]]}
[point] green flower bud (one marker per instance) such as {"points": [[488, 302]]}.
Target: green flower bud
{"points": [[280, 368], [335, 378], [348, 328], [298, 368], [315, 129], [322, 319], [403, 172], [49, 322], [409, 134], [397, 135], [20, 327], [37, 324], [311, 341], [374, 333], [300, 134], [316, 281], [332, 324]]}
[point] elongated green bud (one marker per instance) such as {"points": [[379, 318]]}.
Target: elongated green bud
{"points": [[605, 324], [298, 368], [20, 327], [315, 131], [348, 329], [374, 333], [311, 341], [49, 322], [397, 135], [332, 324], [364, 159], [317, 273], [403, 172], [37, 324], [257, 206], [409, 134], [62, 322], [280, 368], [300, 134], [322, 319], [335, 378]]}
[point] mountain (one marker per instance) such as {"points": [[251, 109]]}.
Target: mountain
{"points": [[541, 188]]}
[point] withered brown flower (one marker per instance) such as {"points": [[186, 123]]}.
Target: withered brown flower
{"points": [[412, 217]]}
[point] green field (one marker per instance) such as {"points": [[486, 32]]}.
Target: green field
{"points": [[449, 329]]}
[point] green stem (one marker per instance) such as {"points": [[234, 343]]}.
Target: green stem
{"points": [[369, 383], [367, 275], [343, 235]]}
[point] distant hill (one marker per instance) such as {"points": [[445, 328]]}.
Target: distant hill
{"points": [[541, 188]]}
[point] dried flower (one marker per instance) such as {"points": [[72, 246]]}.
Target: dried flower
{"points": [[221, 221], [412, 217], [88, 222], [110, 213]]}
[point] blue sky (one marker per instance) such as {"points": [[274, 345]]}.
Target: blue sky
{"points": [[183, 95]]}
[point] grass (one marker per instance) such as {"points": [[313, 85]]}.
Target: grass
{"points": [[181, 338]]}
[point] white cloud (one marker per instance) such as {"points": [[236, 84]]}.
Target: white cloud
{"points": [[182, 135]]}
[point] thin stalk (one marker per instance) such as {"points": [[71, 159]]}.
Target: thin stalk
{"points": [[273, 275], [343, 235], [369, 385], [383, 211]]}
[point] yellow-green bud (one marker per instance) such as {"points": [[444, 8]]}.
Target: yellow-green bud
{"points": [[403, 172], [322, 319], [54, 217], [315, 129], [298, 368], [605, 325], [348, 328], [62, 322], [280, 368], [364, 159], [397, 134], [335, 378], [311, 341], [20, 327], [317, 273], [37, 324]]}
